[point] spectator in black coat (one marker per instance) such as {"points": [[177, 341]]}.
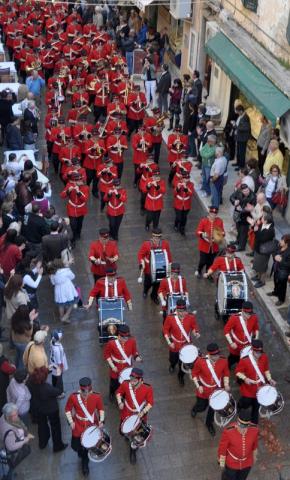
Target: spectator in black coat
{"points": [[31, 115], [57, 240], [264, 233], [34, 228], [281, 270], [242, 199], [14, 139], [162, 89], [44, 407], [242, 134], [6, 112], [198, 86]]}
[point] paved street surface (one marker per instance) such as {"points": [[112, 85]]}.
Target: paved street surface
{"points": [[181, 448]]}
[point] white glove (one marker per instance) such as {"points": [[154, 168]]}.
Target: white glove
{"points": [[139, 280]]}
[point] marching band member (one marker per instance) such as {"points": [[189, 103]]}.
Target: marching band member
{"points": [[208, 374], [84, 409], [144, 171], [141, 144], [110, 286], [135, 397], [116, 107], [60, 136], [66, 154], [156, 189], [180, 167], [115, 198], [119, 354], [238, 447], [156, 242], [207, 247], [183, 192], [106, 173], [75, 166], [103, 252], [252, 372], [176, 145], [226, 263], [77, 194], [174, 284], [239, 331], [154, 125], [116, 146], [136, 103], [102, 91], [177, 330], [116, 122]]}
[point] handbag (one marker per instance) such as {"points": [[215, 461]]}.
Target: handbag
{"points": [[267, 248], [280, 198], [236, 216], [14, 458], [67, 256]]}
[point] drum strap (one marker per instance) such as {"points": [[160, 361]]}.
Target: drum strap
{"points": [[134, 399], [89, 417], [122, 352], [170, 284], [256, 367], [228, 265], [212, 371], [107, 288], [244, 327], [181, 328]]}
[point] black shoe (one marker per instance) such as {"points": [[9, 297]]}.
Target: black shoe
{"points": [[60, 449], [85, 468], [271, 294], [155, 300], [135, 185], [235, 164], [193, 413], [181, 380], [255, 278], [171, 369], [133, 456], [111, 397], [237, 169], [182, 232], [211, 430], [279, 303]]}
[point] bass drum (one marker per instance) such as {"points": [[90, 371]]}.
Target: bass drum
{"points": [[224, 406], [270, 400], [232, 291]]}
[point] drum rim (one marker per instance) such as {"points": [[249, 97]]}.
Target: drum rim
{"points": [[186, 347], [218, 392], [126, 419], [97, 429], [270, 388]]}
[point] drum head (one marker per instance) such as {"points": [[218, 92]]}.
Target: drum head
{"points": [[267, 395], [188, 354], [245, 351], [125, 375], [90, 437], [219, 399], [130, 424]]}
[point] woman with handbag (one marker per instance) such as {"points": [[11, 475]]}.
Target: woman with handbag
{"points": [[264, 247], [281, 270], [15, 437], [149, 77], [275, 187], [174, 104]]}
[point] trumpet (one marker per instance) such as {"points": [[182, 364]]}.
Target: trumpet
{"points": [[96, 149], [178, 144], [82, 110], [92, 85], [60, 96], [34, 66], [143, 144]]}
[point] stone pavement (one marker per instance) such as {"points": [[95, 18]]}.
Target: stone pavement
{"points": [[181, 448]]}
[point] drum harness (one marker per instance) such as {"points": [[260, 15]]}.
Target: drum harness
{"points": [[170, 285], [138, 407], [123, 354], [181, 328], [107, 288], [245, 330], [88, 417], [228, 265]]}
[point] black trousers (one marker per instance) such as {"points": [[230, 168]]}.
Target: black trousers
{"points": [[120, 167], [55, 162], [231, 474], [156, 149], [246, 402], [44, 422], [114, 385], [171, 174], [114, 224], [49, 146], [57, 381], [148, 284], [81, 451], [103, 203], [76, 224], [180, 219], [205, 260], [136, 174], [280, 286], [152, 217], [99, 112], [48, 72], [142, 201], [133, 125], [261, 159], [242, 237], [233, 359], [174, 360], [200, 406], [241, 153], [91, 177]]}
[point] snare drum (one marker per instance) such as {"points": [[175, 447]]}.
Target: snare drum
{"points": [[111, 310], [270, 400], [125, 375], [91, 436], [138, 431], [187, 355], [224, 405], [130, 424], [172, 300], [232, 291], [158, 264], [97, 442]]}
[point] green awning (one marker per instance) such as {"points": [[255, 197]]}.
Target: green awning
{"points": [[248, 78]]}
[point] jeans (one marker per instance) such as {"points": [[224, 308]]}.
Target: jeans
{"points": [[129, 59], [19, 347], [150, 91], [216, 191], [205, 179]]}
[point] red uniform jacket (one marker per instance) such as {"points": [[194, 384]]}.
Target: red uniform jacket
{"points": [[116, 147], [116, 107], [103, 252], [225, 264], [141, 144], [238, 449], [99, 289], [246, 368], [59, 137], [94, 151], [179, 167], [74, 168], [136, 105], [106, 175], [176, 152], [235, 329], [113, 123], [206, 226], [112, 352], [66, 153], [154, 197], [145, 170], [93, 404], [144, 253], [172, 330], [77, 199], [143, 394], [172, 285], [205, 378], [183, 196], [150, 123], [116, 200], [102, 94]]}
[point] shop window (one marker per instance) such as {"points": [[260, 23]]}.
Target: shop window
{"points": [[192, 50], [251, 5]]}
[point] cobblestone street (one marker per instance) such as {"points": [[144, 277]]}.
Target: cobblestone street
{"points": [[181, 448]]}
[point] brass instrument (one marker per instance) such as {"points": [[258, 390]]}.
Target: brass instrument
{"points": [[178, 144], [34, 66], [60, 96], [96, 150], [81, 110], [157, 129], [218, 235], [143, 144], [103, 128]]}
